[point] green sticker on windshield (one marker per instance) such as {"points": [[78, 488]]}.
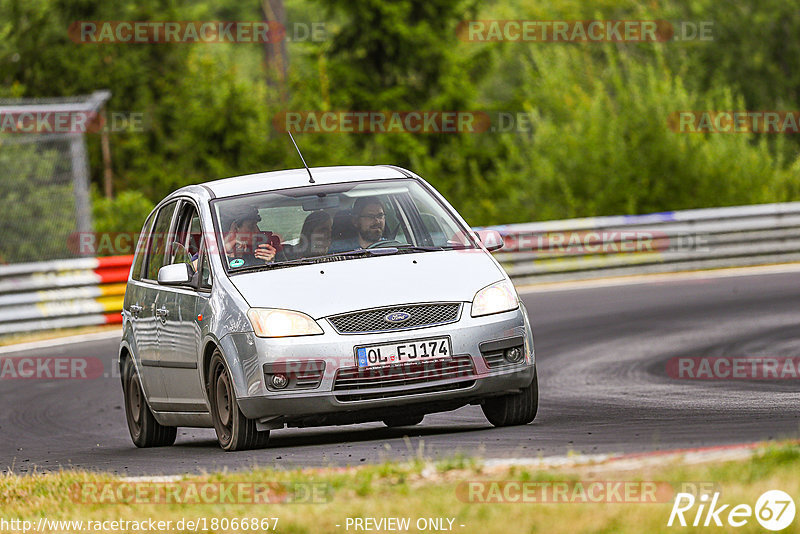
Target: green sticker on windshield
{"points": [[238, 262]]}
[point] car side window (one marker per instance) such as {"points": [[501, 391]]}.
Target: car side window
{"points": [[141, 249], [185, 246], [156, 252], [205, 271]]}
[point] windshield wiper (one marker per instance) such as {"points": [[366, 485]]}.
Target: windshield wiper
{"points": [[429, 248], [360, 253], [419, 248], [272, 265], [379, 251]]}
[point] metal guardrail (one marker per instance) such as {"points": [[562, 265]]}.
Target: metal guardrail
{"points": [[90, 291], [62, 293]]}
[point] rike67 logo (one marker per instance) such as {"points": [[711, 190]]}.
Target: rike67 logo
{"points": [[774, 510]]}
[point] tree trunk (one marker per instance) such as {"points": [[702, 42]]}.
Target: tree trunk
{"points": [[275, 53]]}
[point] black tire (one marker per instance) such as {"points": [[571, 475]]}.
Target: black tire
{"points": [[403, 420], [145, 430], [515, 409], [235, 432]]}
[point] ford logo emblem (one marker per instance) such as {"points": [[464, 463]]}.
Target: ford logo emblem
{"points": [[397, 317]]}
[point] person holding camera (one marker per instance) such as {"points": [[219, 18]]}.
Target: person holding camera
{"points": [[245, 241]]}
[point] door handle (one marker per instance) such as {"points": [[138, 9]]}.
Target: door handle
{"points": [[135, 310], [162, 312]]}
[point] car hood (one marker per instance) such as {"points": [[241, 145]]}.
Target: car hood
{"points": [[331, 288]]}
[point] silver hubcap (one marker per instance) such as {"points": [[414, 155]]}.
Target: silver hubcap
{"points": [[135, 400], [223, 400]]}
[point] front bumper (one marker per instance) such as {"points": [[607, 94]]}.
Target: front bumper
{"points": [[328, 403], [323, 408]]}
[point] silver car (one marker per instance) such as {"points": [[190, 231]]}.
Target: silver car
{"points": [[332, 296]]}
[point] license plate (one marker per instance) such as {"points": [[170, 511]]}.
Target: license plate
{"points": [[423, 350]]}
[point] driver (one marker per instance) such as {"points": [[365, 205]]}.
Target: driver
{"points": [[369, 220]]}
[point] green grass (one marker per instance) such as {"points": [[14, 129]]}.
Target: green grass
{"points": [[420, 489]]}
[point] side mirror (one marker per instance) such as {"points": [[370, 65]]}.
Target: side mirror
{"points": [[177, 274], [491, 239]]}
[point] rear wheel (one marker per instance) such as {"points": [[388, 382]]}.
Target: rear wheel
{"points": [[235, 432], [403, 420], [145, 430], [515, 409]]}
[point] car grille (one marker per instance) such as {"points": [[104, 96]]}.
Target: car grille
{"points": [[372, 380], [353, 397], [374, 321]]}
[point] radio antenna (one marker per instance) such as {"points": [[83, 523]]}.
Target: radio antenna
{"points": [[310, 178]]}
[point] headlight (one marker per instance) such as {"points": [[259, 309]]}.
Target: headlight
{"points": [[282, 323], [496, 298]]}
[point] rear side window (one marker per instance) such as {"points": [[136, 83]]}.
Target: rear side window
{"points": [[158, 241]]}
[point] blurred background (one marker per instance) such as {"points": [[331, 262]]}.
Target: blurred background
{"points": [[599, 142]]}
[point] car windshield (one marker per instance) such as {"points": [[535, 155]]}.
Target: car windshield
{"points": [[331, 222]]}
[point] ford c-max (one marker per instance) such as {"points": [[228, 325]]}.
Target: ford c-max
{"points": [[317, 297]]}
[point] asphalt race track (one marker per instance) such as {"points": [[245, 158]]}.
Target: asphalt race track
{"points": [[602, 356]]}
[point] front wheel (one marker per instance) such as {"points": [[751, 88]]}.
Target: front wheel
{"points": [[235, 432], [145, 430], [515, 409]]}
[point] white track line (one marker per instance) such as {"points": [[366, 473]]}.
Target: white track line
{"points": [[67, 340], [156, 479], [723, 453]]}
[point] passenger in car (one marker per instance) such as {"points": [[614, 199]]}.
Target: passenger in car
{"points": [[343, 235], [244, 239], [315, 236]]}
